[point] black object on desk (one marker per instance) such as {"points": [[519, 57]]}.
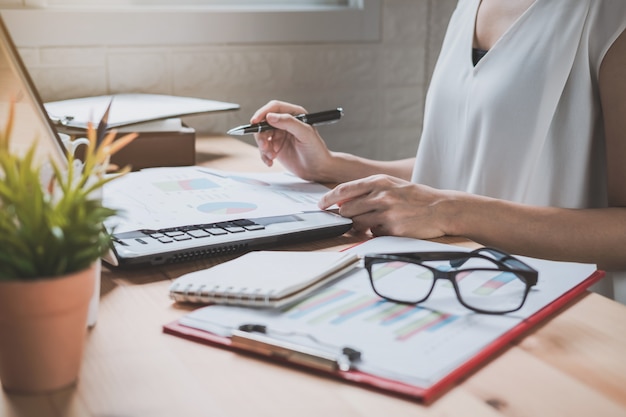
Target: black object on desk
{"points": [[324, 117]]}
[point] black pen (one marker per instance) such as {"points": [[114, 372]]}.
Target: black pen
{"points": [[323, 117]]}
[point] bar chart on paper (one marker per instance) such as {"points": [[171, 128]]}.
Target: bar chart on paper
{"points": [[191, 184], [336, 307], [227, 207], [422, 345], [423, 341], [410, 343]]}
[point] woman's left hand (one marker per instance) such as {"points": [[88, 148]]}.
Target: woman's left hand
{"points": [[388, 205]]}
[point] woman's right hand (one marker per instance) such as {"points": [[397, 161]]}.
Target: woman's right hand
{"points": [[297, 145]]}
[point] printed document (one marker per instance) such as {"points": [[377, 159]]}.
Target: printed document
{"points": [[416, 344], [159, 198]]}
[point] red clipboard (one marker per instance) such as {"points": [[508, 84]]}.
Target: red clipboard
{"points": [[422, 394]]}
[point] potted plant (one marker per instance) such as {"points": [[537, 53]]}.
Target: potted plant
{"points": [[51, 240]]}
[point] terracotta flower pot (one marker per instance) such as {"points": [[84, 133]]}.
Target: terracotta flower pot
{"points": [[43, 326]]}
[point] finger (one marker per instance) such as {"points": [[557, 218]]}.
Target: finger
{"points": [[264, 144], [290, 124], [270, 144], [343, 193], [267, 160], [276, 106], [276, 144], [277, 140], [379, 230], [360, 211], [360, 224], [263, 140], [371, 221]]}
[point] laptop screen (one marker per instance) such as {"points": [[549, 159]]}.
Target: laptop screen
{"points": [[31, 123]]}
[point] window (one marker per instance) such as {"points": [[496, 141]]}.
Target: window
{"points": [[190, 2], [188, 22]]}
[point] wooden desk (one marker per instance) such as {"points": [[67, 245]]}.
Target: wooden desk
{"points": [[573, 365]]}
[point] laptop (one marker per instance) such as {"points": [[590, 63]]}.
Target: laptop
{"points": [[176, 241]]}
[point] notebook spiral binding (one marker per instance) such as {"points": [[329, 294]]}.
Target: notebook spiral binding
{"points": [[221, 294], [262, 278]]}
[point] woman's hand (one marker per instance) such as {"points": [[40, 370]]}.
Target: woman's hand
{"points": [[390, 206], [297, 145]]}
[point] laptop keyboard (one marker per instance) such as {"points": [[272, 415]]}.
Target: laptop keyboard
{"points": [[199, 231], [154, 246]]}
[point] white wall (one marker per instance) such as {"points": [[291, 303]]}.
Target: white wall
{"points": [[381, 85]]}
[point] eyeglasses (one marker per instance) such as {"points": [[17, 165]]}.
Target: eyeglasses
{"points": [[491, 281]]}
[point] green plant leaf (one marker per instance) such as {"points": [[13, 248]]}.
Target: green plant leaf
{"points": [[53, 228]]}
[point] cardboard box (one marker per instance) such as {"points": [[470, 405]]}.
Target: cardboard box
{"points": [[154, 148], [162, 143]]}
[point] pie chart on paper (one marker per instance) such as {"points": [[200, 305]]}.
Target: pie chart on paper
{"points": [[229, 207]]}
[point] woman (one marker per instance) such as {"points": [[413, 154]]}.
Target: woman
{"points": [[523, 148]]}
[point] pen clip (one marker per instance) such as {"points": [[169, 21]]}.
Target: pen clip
{"points": [[254, 338]]}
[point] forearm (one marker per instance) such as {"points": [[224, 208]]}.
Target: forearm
{"points": [[347, 167], [590, 235]]}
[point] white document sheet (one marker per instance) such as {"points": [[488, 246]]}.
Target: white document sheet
{"points": [[129, 108], [419, 344], [158, 198]]}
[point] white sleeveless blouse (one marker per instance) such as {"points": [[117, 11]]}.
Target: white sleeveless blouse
{"points": [[525, 123]]}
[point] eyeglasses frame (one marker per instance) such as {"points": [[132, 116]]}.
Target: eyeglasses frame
{"points": [[504, 261]]}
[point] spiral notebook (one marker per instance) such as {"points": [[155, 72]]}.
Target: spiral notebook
{"points": [[262, 278]]}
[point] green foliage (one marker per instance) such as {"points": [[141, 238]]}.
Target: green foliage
{"points": [[55, 228]]}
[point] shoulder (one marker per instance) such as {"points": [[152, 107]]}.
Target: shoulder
{"points": [[606, 21]]}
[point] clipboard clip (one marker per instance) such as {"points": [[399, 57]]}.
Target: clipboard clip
{"points": [[61, 121], [255, 338]]}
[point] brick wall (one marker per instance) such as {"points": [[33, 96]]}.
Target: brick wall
{"points": [[380, 85]]}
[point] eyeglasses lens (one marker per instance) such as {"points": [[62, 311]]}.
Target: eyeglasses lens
{"points": [[402, 281], [480, 283]]}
